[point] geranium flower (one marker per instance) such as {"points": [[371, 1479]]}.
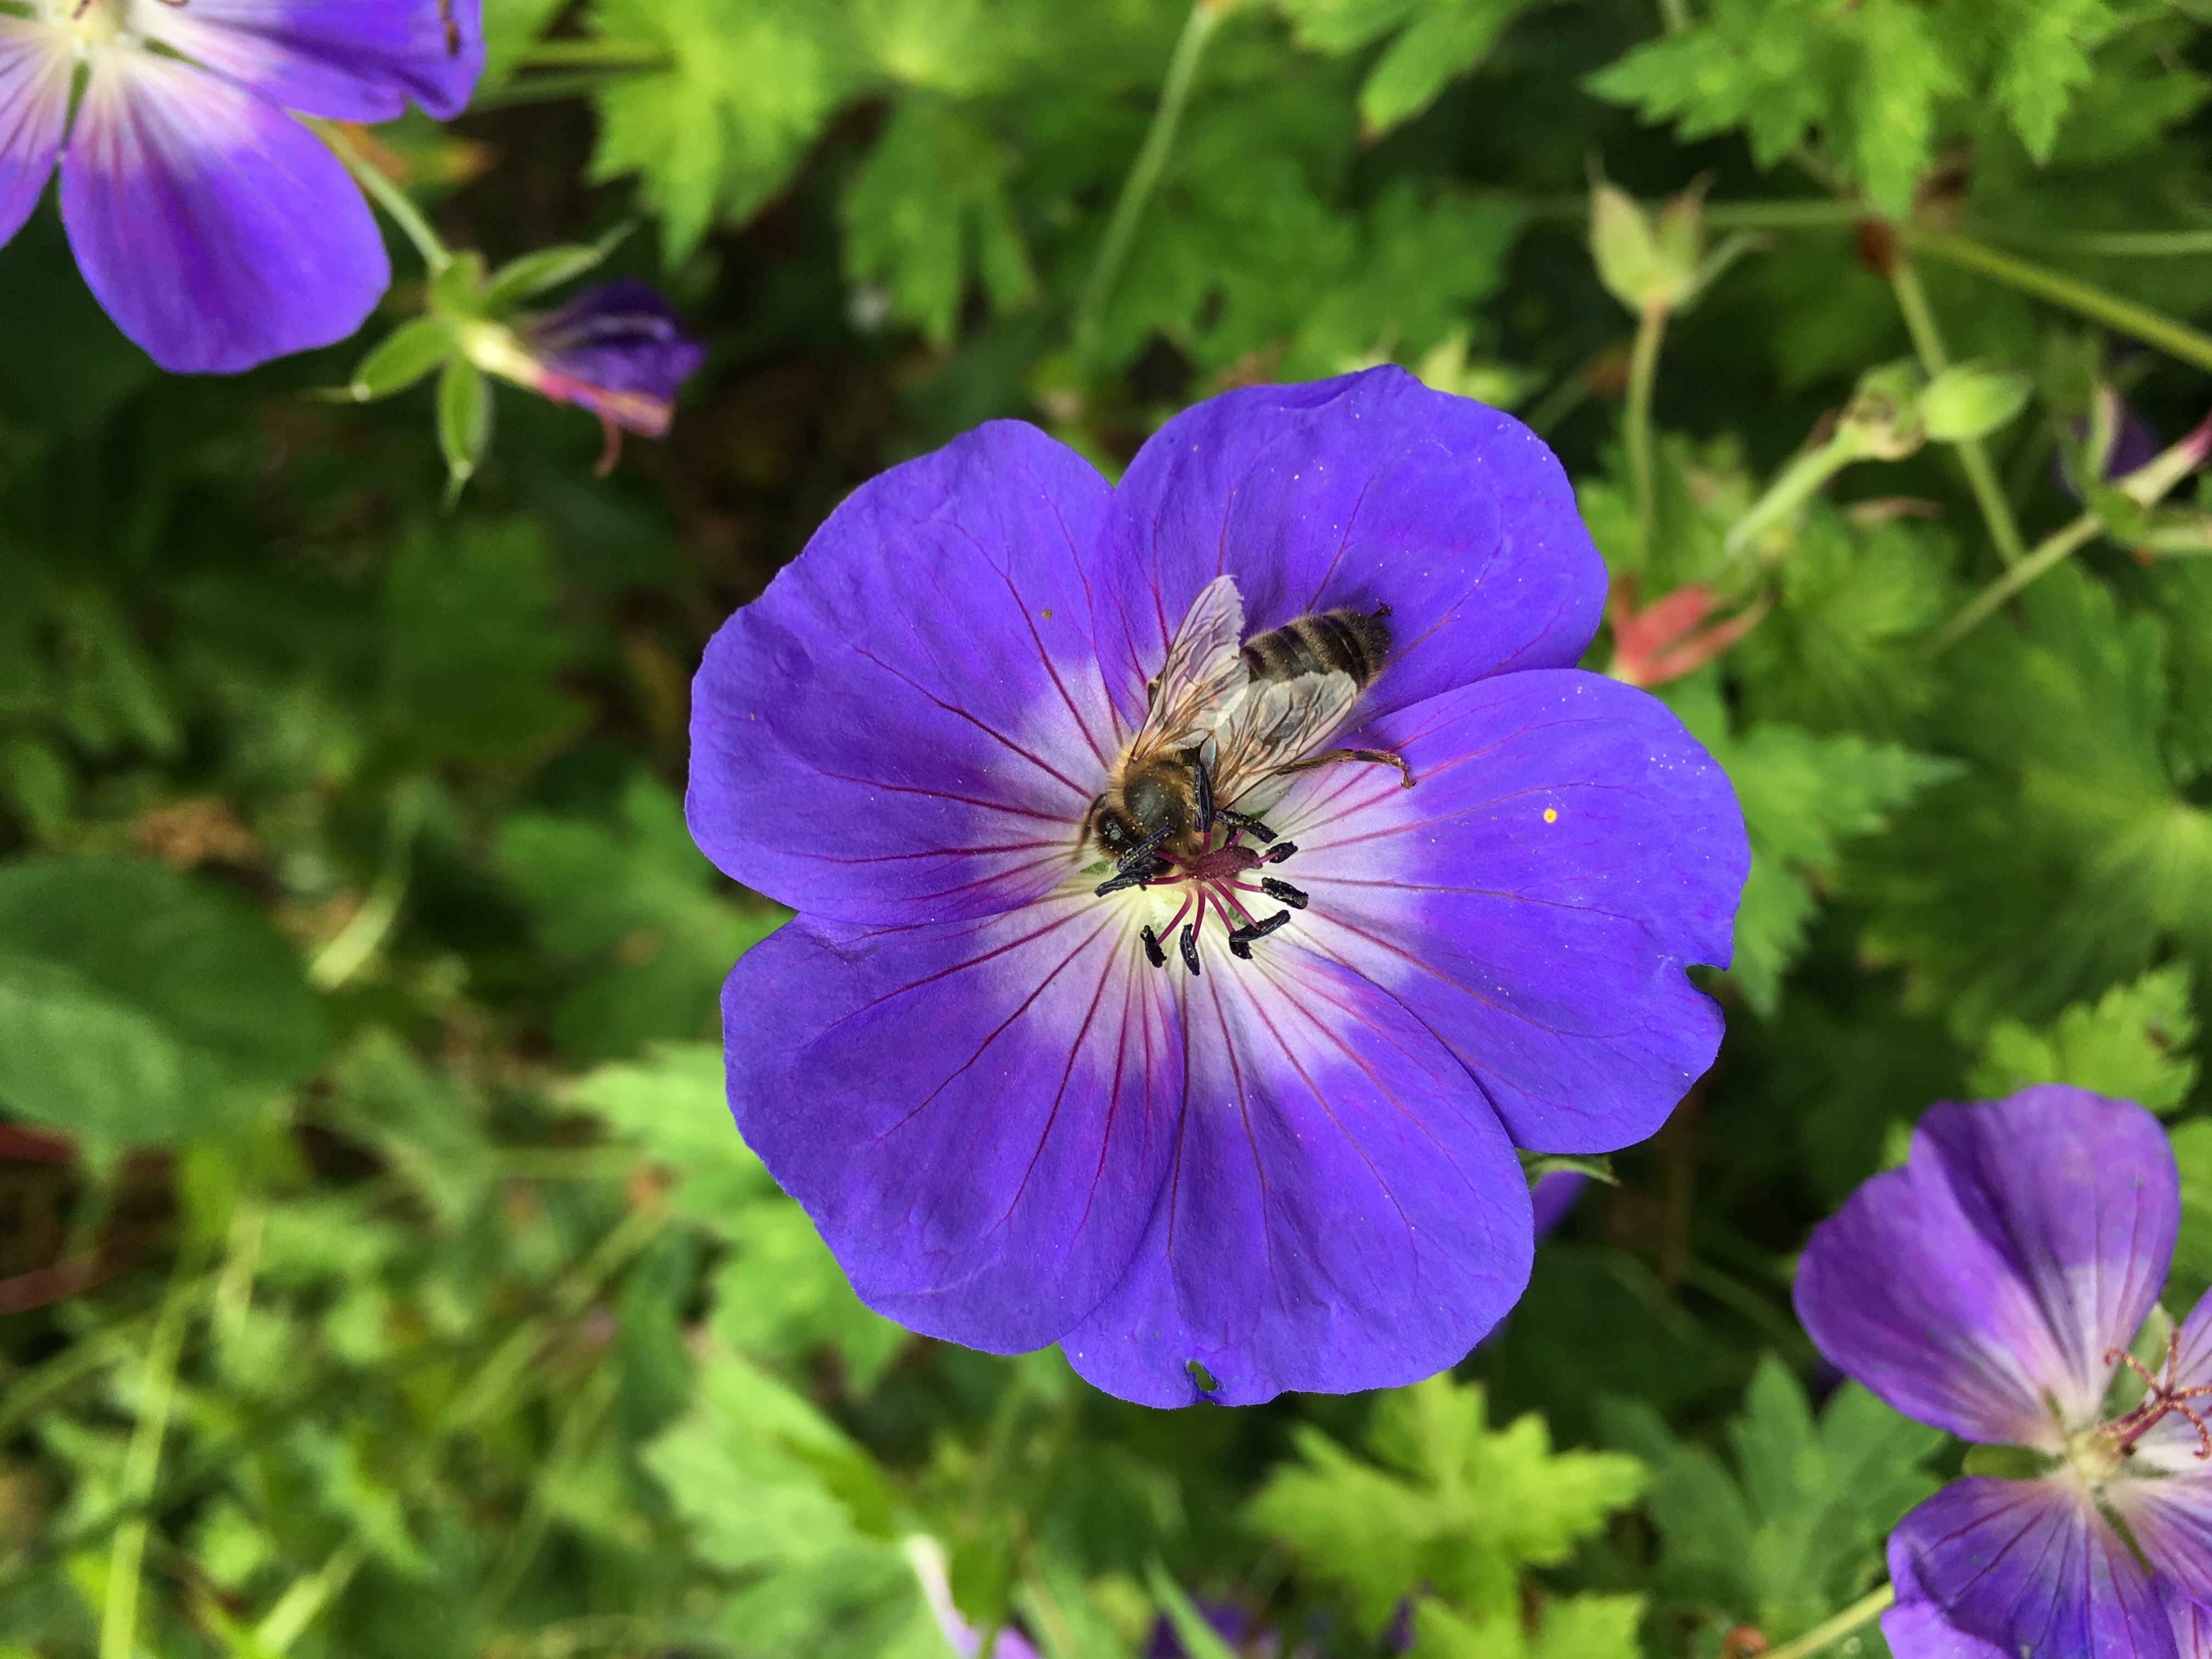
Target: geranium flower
{"points": [[1989, 1287], [1216, 1146], [619, 350], [216, 229]]}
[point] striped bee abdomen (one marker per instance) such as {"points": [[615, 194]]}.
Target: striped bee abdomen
{"points": [[1354, 641]]}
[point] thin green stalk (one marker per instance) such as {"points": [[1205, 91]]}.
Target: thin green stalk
{"points": [[394, 201], [1636, 423], [2049, 552], [593, 53], [1144, 172], [141, 1463], [1863, 1610], [360, 938], [2127, 244], [1981, 477], [1797, 484], [2137, 322], [1674, 15]]}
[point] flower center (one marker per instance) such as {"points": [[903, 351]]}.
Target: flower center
{"points": [[2163, 1396], [93, 22], [1219, 879]]}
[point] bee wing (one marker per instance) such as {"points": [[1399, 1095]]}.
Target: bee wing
{"points": [[1272, 724], [1203, 671]]}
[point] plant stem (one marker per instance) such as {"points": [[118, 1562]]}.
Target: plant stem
{"points": [[1144, 173], [2050, 552], [1797, 484], [2123, 316], [141, 1463], [1636, 422], [1674, 15], [1863, 1610], [395, 201], [1927, 341], [594, 53]]}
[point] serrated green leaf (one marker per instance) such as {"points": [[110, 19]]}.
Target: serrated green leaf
{"points": [[1446, 39], [2132, 1043], [1449, 1502]]}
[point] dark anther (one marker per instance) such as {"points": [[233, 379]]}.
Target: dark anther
{"points": [[1153, 954], [1244, 821], [1190, 943], [1115, 884], [1139, 857], [1283, 890], [1277, 855], [1240, 947], [1201, 791]]}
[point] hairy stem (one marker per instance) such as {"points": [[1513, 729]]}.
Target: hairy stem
{"points": [[1981, 477], [2137, 322], [1636, 421], [1144, 173], [1863, 1610], [398, 205]]}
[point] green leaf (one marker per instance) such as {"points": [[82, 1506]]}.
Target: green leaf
{"points": [[1795, 1533], [930, 202], [750, 82], [1444, 41], [534, 273], [511, 27], [2132, 1043], [1447, 1501], [140, 1004], [1901, 74], [635, 908], [473, 646], [404, 357], [1570, 1627], [464, 421]]}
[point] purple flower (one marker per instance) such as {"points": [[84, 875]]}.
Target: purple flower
{"points": [[216, 230], [619, 350], [1989, 1287], [1014, 1114]]}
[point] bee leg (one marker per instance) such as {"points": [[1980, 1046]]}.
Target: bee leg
{"points": [[1201, 790], [1244, 821], [1372, 756], [1139, 857]]}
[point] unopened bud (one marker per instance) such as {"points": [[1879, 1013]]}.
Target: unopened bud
{"points": [[1882, 422], [1624, 248], [1971, 400]]}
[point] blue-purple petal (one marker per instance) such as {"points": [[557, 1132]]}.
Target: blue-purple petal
{"points": [[216, 231], [36, 67], [1979, 1287], [1567, 850], [348, 60], [619, 350], [975, 1114], [2030, 1567], [2164, 1490], [1342, 1211], [909, 724], [1363, 491], [1554, 1196]]}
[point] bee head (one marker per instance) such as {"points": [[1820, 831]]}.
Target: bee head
{"points": [[1114, 832]]}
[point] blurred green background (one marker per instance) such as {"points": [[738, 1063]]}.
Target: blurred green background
{"points": [[379, 1275]]}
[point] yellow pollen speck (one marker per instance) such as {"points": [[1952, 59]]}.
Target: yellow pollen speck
{"points": [[1047, 613], [1551, 815]]}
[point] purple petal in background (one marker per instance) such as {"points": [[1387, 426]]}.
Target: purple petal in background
{"points": [[350, 60], [1568, 850], [1554, 1196], [977, 1115], [2031, 1567], [1367, 490], [1342, 1210], [36, 65], [216, 230], [619, 350], [909, 725], [2023, 1238]]}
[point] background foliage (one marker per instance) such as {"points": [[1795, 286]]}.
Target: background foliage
{"points": [[382, 1273]]}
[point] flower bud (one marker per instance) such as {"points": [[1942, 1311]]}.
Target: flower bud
{"points": [[1971, 400], [1883, 422], [1624, 248]]}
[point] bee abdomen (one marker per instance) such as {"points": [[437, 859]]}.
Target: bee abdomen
{"points": [[1352, 641]]}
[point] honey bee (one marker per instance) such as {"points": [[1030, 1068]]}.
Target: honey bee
{"points": [[1226, 716], [451, 24]]}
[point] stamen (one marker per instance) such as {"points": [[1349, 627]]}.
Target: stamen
{"points": [[1201, 782], [1277, 855], [1283, 890], [1190, 943], [1241, 941], [1244, 821], [1117, 884], [1140, 856], [1153, 954], [2164, 1397]]}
